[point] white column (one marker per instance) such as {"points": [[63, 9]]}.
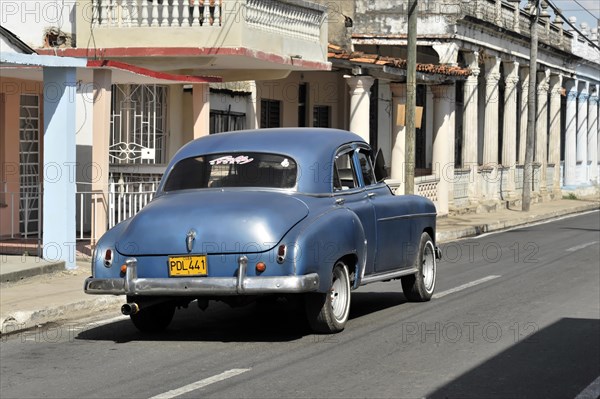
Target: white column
{"points": [[524, 107], [398, 135], [509, 135], [541, 128], [582, 133], [555, 118], [593, 133], [360, 87], [490, 140], [471, 124], [428, 125], [384, 120], [59, 209], [201, 109], [443, 142], [570, 168]]}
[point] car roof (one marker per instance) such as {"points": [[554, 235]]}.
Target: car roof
{"points": [[309, 147]]}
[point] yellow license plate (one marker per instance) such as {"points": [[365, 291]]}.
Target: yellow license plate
{"points": [[185, 266]]}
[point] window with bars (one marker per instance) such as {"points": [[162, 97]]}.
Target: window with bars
{"points": [[321, 116], [138, 124], [226, 121], [29, 164], [270, 113]]}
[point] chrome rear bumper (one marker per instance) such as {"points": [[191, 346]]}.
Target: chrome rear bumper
{"points": [[191, 286]]}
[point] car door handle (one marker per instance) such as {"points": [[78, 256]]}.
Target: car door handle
{"points": [[339, 201], [371, 195]]}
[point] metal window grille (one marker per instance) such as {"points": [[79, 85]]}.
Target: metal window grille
{"points": [[270, 113], [226, 121], [138, 124], [29, 165]]}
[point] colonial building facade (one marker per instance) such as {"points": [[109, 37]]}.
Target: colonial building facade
{"points": [[145, 62]]}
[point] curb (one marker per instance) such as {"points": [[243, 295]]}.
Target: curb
{"points": [[19, 275], [474, 231], [24, 320]]}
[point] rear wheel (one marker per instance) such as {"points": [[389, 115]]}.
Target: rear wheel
{"points": [[328, 312], [154, 318], [419, 287]]}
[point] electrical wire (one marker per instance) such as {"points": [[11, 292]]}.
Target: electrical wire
{"points": [[586, 10], [558, 12]]}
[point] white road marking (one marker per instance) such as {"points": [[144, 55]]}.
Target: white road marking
{"points": [[200, 384], [592, 391], [464, 286], [491, 233], [578, 247]]}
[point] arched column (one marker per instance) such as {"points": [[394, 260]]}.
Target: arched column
{"points": [[582, 133], [443, 143], [509, 136], [524, 107], [593, 133], [471, 124], [541, 128], [490, 140], [398, 135], [554, 138], [570, 168], [360, 97]]}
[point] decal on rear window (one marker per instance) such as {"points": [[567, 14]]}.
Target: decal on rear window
{"points": [[230, 160]]}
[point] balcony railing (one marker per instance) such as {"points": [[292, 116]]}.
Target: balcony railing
{"points": [[283, 17], [507, 15], [159, 13]]}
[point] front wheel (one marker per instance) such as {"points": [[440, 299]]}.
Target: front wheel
{"points": [[328, 312], [419, 287]]}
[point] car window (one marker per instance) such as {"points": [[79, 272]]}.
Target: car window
{"points": [[344, 175], [366, 167], [233, 170]]}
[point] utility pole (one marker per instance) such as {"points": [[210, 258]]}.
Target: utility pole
{"points": [[530, 138], [411, 97]]}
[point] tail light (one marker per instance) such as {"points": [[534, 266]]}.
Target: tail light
{"points": [[281, 253], [108, 258]]}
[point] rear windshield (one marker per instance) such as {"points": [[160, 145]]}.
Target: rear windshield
{"points": [[247, 169]]}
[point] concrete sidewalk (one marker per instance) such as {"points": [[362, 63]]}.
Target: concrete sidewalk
{"points": [[34, 292]]}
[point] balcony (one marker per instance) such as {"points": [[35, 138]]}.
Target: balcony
{"points": [[440, 19], [187, 35]]}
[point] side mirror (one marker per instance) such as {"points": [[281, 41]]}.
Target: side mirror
{"points": [[380, 169]]}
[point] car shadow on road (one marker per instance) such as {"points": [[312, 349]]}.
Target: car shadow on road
{"points": [[558, 361], [267, 321]]}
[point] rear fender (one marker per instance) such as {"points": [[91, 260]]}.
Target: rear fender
{"points": [[328, 238]]}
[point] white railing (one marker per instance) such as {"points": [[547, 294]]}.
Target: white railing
{"points": [[125, 200], [285, 18], [168, 13], [427, 186], [19, 218], [462, 178]]}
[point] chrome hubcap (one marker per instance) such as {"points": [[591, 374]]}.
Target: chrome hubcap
{"points": [[428, 266], [339, 295]]}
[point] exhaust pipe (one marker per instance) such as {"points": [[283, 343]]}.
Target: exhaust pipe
{"points": [[130, 308]]}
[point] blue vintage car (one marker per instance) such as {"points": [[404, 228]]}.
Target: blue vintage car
{"points": [[270, 212]]}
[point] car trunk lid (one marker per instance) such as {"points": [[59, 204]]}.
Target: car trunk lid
{"points": [[231, 221]]}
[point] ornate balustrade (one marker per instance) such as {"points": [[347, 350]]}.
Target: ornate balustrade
{"points": [[285, 18], [158, 13]]}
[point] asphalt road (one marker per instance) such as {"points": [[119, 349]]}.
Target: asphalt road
{"points": [[516, 314]]}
